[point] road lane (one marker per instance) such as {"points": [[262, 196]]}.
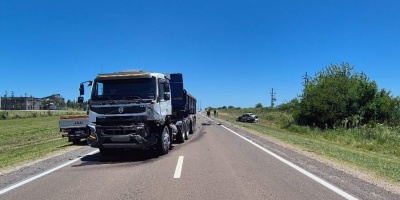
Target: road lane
{"points": [[227, 167], [299, 169]]}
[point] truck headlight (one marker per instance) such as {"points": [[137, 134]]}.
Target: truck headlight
{"points": [[92, 132]]}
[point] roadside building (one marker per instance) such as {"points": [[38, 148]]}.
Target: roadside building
{"points": [[30, 103]]}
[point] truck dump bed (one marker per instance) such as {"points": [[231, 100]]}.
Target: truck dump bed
{"points": [[182, 101]]}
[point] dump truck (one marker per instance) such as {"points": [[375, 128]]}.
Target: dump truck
{"points": [[138, 110]]}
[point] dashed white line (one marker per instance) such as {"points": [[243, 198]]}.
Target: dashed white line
{"points": [[178, 169]]}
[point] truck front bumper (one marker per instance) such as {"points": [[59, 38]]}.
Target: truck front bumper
{"points": [[97, 139]]}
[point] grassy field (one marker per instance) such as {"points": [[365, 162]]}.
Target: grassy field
{"points": [[29, 137], [374, 151]]}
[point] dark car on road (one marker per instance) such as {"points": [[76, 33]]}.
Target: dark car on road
{"points": [[247, 117]]}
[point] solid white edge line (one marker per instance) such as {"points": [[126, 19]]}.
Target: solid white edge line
{"points": [[301, 170], [178, 169], [19, 184]]}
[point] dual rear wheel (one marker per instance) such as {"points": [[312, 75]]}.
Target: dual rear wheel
{"points": [[183, 133]]}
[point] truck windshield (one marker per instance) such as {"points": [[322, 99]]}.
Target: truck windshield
{"points": [[124, 89]]}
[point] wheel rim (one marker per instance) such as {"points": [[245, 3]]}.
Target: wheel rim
{"points": [[188, 125], [184, 136], [165, 141], [183, 131]]}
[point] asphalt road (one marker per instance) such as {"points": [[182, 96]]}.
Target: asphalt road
{"points": [[219, 161]]}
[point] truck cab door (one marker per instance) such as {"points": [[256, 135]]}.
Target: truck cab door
{"points": [[164, 97]]}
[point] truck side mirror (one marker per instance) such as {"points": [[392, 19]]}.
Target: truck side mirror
{"points": [[80, 99], [81, 89], [166, 87], [167, 96]]}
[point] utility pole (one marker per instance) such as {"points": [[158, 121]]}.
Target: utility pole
{"points": [[5, 103], [12, 97], [305, 77], [273, 99]]}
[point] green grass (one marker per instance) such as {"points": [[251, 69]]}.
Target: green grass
{"points": [[372, 150], [27, 139]]}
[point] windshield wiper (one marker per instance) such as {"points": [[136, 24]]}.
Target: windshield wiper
{"points": [[136, 97], [111, 101]]}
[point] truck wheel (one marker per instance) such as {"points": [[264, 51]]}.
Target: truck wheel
{"points": [[106, 152], [163, 143], [187, 130], [192, 126], [76, 141], [182, 133]]}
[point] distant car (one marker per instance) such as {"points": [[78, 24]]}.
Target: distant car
{"points": [[247, 117]]}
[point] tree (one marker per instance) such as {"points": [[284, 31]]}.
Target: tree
{"points": [[339, 96], [259, 105], [291, 106]]}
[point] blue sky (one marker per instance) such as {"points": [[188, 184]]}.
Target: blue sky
{"points": [[229, 52]]}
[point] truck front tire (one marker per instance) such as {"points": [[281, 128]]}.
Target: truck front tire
{"points": [[163, 143], [106, 152]]}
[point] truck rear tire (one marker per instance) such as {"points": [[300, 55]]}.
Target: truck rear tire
{"points": [[164, 142], [187, 129], [182, 133], [192, 126]]}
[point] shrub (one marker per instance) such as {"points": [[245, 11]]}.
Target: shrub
{"points": [[4, 115]]}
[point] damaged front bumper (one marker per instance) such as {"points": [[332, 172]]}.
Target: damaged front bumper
{"points": [[120, 137]]}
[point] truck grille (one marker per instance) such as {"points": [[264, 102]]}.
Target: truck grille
{"points": [[117, 109], [119, 131], [120, 120]]}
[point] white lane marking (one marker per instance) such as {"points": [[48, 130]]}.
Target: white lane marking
{"points": [[19, 184], [301, 170], [178, 169]]}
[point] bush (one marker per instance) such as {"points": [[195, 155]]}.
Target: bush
{"points": [[4, 115], [339, 96]]}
